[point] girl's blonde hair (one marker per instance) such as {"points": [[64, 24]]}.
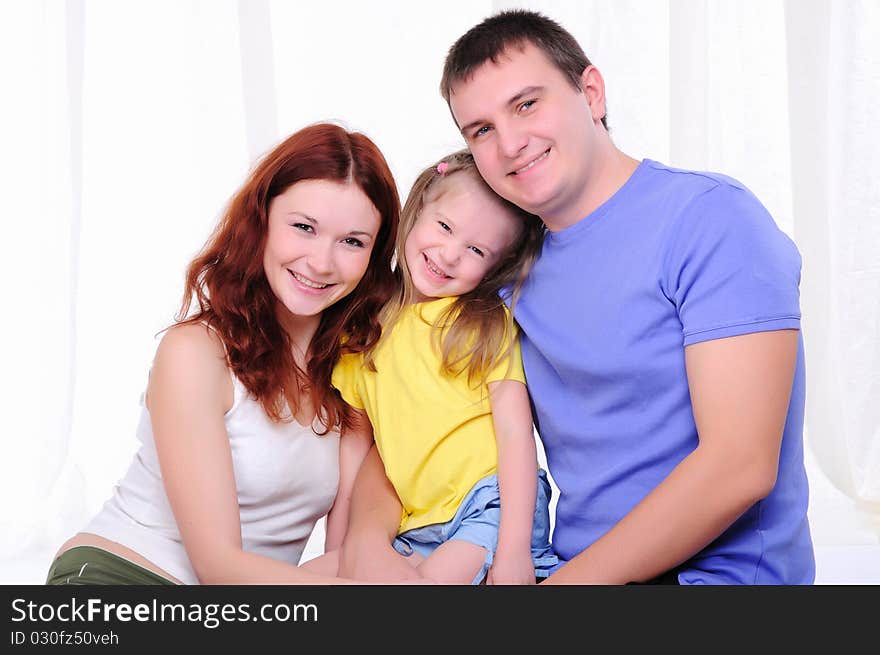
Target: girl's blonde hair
{"points": [[472, 332]]}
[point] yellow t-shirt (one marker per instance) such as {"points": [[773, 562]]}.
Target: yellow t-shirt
{"points": [[434, 431]]}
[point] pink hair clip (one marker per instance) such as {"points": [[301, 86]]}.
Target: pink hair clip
{"points": [[442, 167]]}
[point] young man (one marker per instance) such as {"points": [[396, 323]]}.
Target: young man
{"points": [[660, 330]]}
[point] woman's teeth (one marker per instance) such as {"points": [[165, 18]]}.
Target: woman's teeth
{"points": [[307, 282]]}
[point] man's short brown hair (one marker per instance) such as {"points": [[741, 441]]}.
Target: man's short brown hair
{"points": [[489, 40]]}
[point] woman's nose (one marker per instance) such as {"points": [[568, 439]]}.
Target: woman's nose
{"points": [[321, 258]]}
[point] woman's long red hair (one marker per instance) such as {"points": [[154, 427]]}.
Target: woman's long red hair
{"points": [[229, 286]]}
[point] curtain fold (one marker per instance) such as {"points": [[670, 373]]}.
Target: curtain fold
{"points": [[41, 178], [834, 83], [258, 75]]}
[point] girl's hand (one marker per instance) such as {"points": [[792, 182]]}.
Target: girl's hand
{"points": [[512, 568]]}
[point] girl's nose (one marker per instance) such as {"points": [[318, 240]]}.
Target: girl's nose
{"points": [[449, 255]]}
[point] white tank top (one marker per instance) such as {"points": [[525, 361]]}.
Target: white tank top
{"points": [[286, 478]]}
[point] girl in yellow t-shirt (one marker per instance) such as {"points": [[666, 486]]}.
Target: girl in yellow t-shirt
{"points": [[444, 392]]}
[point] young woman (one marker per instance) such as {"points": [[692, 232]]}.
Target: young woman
{"points": [[241, 451]]}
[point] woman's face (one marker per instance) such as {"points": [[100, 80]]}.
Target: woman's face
{"points": [[320, 236]]}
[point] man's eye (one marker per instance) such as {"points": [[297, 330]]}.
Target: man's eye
{"points": [[481, 131]]}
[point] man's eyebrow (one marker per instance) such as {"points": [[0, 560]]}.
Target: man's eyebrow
{"points": [[517, 97], [529, 90]]}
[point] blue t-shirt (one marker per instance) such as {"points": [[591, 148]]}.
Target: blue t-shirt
{"points": [[673, 258]]}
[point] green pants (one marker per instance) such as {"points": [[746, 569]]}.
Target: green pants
{"points": [[88, 565]]}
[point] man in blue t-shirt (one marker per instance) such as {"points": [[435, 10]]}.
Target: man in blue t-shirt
{"points": [[660, 329], [660, 334]]}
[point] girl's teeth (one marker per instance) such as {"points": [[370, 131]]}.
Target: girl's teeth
{"points": [[433, 268]]}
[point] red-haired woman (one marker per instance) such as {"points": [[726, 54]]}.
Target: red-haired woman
{"points": [[241, 451]]}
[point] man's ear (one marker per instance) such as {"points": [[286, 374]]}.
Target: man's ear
{"points": [[593, 87]]}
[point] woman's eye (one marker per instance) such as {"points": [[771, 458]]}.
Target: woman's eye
{"points": [[351, 241], [527, 105], [305, 227]]}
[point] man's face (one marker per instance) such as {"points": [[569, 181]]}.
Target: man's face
{"points": [[531, 132]]}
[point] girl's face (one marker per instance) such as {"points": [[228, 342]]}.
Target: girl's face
{"points": [[320, 236], [457, 239]]}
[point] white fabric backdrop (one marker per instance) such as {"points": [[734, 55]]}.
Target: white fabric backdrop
{"points": [[126, 125]]}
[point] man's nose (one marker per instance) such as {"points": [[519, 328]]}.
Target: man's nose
{"points": [[511, 141]]}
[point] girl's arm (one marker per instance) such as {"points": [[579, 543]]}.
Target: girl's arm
{"points": [[353, 447], [517, 482], [189, 392]]}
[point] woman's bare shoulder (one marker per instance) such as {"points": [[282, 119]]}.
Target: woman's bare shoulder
{"points": [[192, 354], [194, 338]]}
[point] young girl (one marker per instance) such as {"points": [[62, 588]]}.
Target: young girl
{"points": [[241, 452], [444, 389]]}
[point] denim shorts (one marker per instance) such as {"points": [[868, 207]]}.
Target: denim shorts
{"points": [[477, 521]]}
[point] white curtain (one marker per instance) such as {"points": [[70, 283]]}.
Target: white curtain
{"points": [[126, 125]]}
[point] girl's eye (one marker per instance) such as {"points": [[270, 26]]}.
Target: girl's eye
{"points": [[351, 241], [477, 251], [304, 227], [444, 226]]}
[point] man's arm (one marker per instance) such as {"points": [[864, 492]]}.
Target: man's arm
{"points": [[374, 517], [740, 389]]}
